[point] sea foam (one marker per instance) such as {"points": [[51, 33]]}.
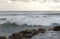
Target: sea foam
{"points": [[32, 20]]}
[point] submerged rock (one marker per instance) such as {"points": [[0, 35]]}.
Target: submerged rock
{"points": [[3, 37], [56, 28], [41, 30]]}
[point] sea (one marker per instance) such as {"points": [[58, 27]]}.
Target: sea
{"points": [[33, 19]]}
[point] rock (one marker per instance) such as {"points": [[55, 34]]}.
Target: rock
{"points": [[28, 35], [21, 34], [56, 28], [3, 37], [41, 30], [15, 36], [24, 32], [34, 32], [25, 38]]}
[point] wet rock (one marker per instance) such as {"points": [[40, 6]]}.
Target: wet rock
{"points": [[21, 34], [41, 30], [25, 34], [3, 37], [34, 32], [28, 33], [25, 38], [56, 28], [15, 36]]}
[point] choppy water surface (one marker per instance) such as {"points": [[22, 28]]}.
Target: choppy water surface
{"points": [[31, 20]]}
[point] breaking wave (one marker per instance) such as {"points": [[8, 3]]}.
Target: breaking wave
{"points": [[31, 20], [9, 24]]}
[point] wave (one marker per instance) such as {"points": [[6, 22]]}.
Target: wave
{"points": [[9, 24], [32, 20]]}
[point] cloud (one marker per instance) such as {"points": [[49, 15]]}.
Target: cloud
{"points": [[26, 0], [57, 1], [22, 0], [34, 5], [30, 0], [13, 0]]}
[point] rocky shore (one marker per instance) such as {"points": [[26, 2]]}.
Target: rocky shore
{"points": [[28, 34]]}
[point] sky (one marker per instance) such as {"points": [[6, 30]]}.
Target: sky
{"points": [[29, 5]]}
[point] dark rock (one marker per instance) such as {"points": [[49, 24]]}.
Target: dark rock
{"points": [[34, 32], [22, 32], [41, 30], [56, 28], [28, 35], [3, 37], [15, 36]]}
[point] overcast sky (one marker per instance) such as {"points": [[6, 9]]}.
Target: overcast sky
{"points": [[28, 5]]}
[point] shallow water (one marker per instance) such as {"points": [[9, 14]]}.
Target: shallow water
{"points": [[48, 35], [8, 30]]}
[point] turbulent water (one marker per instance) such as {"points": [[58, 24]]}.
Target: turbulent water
{"points": [[44, 20], [32, 19]]}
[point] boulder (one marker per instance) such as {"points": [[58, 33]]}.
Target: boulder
{"points": [[41, 30], [34, 32], [56, 28], [28, 33], [15, 36], [3, 37]]}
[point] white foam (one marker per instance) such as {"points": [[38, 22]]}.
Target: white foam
{"points": [[41, 20]]}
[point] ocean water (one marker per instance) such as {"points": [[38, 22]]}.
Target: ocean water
{"points": [[48, 35], [45, 20]]}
